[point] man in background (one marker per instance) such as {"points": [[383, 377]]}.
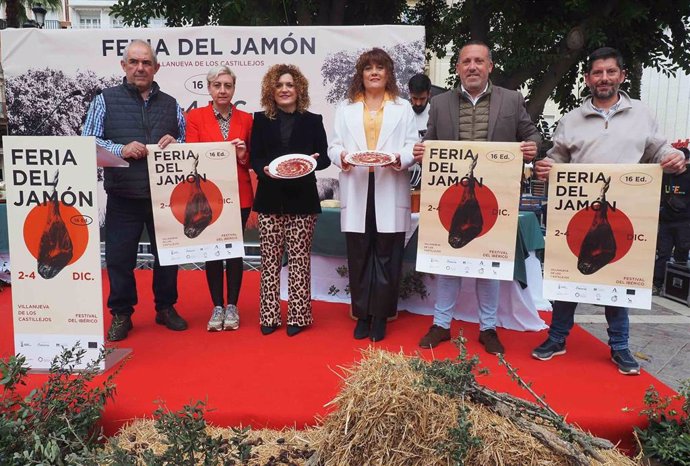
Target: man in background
{"points": [[419, 86]]}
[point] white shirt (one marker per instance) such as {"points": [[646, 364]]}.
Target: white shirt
{"points": [[474, 100], [421, 119]]}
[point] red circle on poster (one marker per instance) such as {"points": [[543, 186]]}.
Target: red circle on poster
{"points": [[581, 222], [36, 223], [450, 200], [183, 192]]}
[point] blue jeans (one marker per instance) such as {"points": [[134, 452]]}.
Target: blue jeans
{"points": [[125, 219], [563, 320], [447, 289]]}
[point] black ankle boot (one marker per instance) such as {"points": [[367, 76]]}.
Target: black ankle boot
{"points": [[362, 328], [378, 329], [293, 330], [267, 330]]}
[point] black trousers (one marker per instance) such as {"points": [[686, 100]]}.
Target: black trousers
{"points": [[234, 269], [673, 238], [125, 219], [375, 265]]}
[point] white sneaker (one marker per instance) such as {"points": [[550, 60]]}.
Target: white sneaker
{"points": [[232, 318], [215, 324]]}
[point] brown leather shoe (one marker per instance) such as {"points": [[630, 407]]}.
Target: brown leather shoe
{"points": [[489, 338], [434, 336]]}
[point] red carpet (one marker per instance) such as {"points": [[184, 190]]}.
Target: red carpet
{"points": [[278, 381]]}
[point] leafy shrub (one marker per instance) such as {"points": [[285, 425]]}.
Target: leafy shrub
{"points": [[56, 423], [667, 437], [188, 442]]}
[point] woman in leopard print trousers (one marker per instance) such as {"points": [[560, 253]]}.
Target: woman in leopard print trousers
{"points": [[287, 208]]}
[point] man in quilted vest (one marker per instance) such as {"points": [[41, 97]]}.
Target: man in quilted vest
{"points": [[475, 111], [124, 119]]}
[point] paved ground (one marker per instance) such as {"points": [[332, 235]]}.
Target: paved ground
{"points": [[659, 338]]}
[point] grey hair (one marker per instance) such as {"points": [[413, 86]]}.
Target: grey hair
{"points": [[213, 73], [125, 54]]}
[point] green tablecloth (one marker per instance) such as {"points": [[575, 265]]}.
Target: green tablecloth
{"points": [[4, 241], [329, 240]]}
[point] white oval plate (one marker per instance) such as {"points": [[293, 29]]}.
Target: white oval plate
{"points": [[379, 158], [302, 160]]}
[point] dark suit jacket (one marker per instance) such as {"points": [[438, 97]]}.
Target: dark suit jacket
{"points": [[508, 118], [299, 195], [202, 126]]}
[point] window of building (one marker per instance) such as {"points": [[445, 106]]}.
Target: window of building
{"points": [[89, 22]]}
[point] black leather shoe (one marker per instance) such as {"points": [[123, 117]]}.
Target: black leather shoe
{"points": [[267, 330], [293, 330], [362, 329], [119, 327], [378, 329], [171, 319]]}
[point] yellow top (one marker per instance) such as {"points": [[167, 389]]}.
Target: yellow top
{"points": [[373, 119]]}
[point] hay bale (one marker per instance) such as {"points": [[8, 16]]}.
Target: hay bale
{"points": [[268, 445], [386, 416]]}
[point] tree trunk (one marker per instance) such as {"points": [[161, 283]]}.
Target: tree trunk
{"points": [[304, 16], [12, 13], [337, 12], [479, 25], [635, 79], [541, 92]]}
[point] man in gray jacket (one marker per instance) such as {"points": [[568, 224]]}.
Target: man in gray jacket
{"points": [[476, 111], [609, 127]]}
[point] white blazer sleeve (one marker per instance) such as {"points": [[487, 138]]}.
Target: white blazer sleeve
{"points": [[411, 135], [337, 145]]}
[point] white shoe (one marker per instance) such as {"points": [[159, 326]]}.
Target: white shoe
{"points": [[215, 324], [232, 318]]}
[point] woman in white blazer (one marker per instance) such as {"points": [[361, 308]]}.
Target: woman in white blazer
{"points": [[375, 203]]}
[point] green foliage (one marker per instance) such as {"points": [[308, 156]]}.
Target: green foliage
{"points": [[667, 437], [56, 423], [15, 10], [188, 442], [454, 379], [412, 283], [543, 45], [259, 12]]}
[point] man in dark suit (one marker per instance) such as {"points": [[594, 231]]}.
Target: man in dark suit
{"points": [[477, 111]]}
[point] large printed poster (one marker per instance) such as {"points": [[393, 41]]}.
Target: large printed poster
{"points": [[469, 208], [196, 204], [76, 64], [601, 235], [89, 60], [54, 245]]}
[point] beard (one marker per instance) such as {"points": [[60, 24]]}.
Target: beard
{"points": [[419, 108], [602, 95]]}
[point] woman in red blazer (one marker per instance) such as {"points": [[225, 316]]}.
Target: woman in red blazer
{"points": [[221, 121]]}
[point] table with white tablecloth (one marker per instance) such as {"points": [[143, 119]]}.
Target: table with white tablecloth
{"points": [[519, 299]]}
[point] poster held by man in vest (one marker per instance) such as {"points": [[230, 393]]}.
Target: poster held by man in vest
{"points": [[57, 298], [601, 235], [469, 208], [196, 204]]}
